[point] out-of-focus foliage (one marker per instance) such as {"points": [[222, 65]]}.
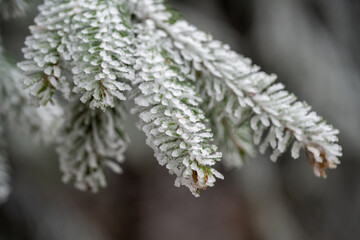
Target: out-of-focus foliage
{"points": [[12, 8]]}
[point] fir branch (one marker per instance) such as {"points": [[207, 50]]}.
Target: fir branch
{"points": [[45, 51], [234, 141], [231, 128], [103, 53], [229, 73], [168, 107], [16, 109], [43, 122], [91, 139], [182, 79]]}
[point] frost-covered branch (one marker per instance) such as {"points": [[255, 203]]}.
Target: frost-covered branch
{"points": [[103, 53], [232, 78], [17, 110], [93, 39], [43, 60], [91, 139], [186, 86], [168, 106], [41, 122]]}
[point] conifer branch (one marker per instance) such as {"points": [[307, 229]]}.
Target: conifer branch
{"points": [[17, 111], [168, 106], [185, 84], [90, 141], [228, 74], [42, 52], [102, 49], [43, 122]]}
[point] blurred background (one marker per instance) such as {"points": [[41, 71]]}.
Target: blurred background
{"points": [[313, 46]]}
